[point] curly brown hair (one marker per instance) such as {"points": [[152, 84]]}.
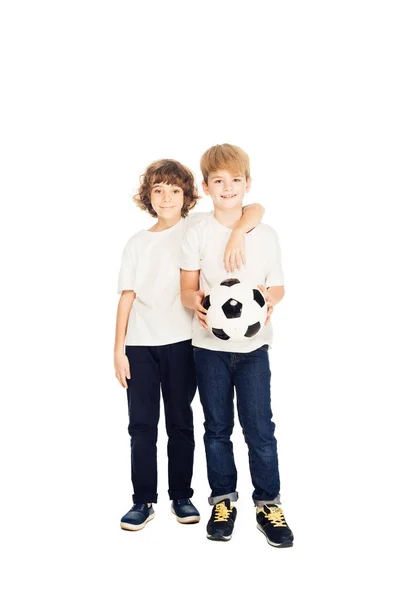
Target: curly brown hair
{"points": [[170, 172]]}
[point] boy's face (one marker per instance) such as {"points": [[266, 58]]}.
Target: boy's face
{"points": [[226, 189], [167, 200]]}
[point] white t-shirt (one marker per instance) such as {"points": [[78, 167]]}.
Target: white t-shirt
{"points": [[150, 268], [203, 248]]}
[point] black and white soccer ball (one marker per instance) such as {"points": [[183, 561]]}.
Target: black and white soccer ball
{"points": [[236, 311]]}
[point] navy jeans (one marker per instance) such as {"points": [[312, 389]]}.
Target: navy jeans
{"points": [[172, 367], [218, 374]]}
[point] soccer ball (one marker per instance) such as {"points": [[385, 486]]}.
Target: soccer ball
{"points": [[236, 311]]}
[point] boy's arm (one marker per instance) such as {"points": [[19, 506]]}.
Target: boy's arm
{"points": [[273, 288], [121, 363], [272, 295], [191, 296], [234, 255]]}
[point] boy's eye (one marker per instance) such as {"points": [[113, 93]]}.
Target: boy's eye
{"points": [[237, 179], [217, 180], [157, 191], [177, 191]]}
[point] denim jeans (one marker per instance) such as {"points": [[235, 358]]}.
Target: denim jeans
{"points": [[218, 374], [171, 367]]}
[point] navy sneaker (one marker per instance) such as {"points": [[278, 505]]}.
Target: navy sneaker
{"points": [[220, 525], [185, 511], [271, 522], [137, 517]]}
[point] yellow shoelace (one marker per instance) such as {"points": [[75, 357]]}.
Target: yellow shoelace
{"points": [[221, 512], [276, 516]]}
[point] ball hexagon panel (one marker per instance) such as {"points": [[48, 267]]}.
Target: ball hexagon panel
{"points": [[206, 302], [229, 282], [220, 333], [252, 330], [232, 309], [258, 297]]}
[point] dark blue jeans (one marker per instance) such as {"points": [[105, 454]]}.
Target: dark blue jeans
{"points": [[218, 374], [171, 367]]}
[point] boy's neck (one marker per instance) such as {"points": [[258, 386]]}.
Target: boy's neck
{"points": [[163, 224], [228, 218]]}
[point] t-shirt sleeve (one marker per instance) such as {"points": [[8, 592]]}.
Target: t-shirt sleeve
{"points": [[189, 257], [197, 217], [275, 273], [127, 272]]}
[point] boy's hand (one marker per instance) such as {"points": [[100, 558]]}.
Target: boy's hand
{"points": [[122, 370], [234, 255], [201, 312], [269, 301]]}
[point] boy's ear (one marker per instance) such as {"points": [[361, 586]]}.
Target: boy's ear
{"points": [[248, 184], [205, 188]]}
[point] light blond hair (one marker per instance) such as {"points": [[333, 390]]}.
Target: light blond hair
{"points": [[226, 157]]}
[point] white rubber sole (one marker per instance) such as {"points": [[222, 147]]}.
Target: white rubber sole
{"points": [[288, 545], [221, 538], [186, 520], [130, 527]]}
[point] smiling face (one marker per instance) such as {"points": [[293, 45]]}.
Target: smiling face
{"points": [[226, 189], [167, 200]]}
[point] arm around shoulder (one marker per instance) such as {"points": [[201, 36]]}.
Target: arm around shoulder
{"points": [[234, 255], [251, 217]]}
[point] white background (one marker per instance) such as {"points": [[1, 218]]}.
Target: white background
{"points": [[91, 93]]}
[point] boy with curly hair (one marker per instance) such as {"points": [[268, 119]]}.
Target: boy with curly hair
{"points": [[224, 366], [153, 339]]}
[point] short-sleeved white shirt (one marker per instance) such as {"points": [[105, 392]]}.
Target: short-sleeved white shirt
{"points": [[150, 268], [203, 248]]}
